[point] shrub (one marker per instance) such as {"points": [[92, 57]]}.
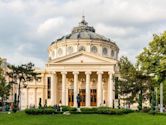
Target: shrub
{"points": [[104, 110], [111, 111], [146, 109], [68, 108], [88, 110]]}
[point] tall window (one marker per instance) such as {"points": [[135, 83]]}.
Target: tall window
{"points": [[116, 87], [94, 49], [60, 52], [105, 51], [112, 53], [48, 87], [81, 48]]}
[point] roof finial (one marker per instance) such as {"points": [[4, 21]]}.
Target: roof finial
{"points": [[83, 22], [83, 17]]}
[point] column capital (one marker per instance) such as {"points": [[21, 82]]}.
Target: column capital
{"points": [[63, 72], [75, 72], [99, 72], [88, 72]]}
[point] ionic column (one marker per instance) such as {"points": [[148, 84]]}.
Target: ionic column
{"points": [[53, 89], [43, 80], [110, 90], [75, 87], [27, 94], [63, 88], [99, 89], [87, 89], [35, 94]]}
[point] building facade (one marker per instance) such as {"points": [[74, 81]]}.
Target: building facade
{"points": [[81, 62]]}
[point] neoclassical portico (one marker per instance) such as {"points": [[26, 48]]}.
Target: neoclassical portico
{"points": [[87, 86]]}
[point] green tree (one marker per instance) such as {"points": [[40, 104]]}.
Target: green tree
{"points": [[152, 61], [20, 75], [140, 102], [125, 82], [4, 86], [132, 82], [153, 103]]}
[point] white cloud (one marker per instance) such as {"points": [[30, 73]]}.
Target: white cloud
{"points": [[50, 25], [30, 24]]}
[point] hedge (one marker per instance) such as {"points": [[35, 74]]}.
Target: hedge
{"points": [[72, 110], [41, 111], [67, 108], [105, 110]]}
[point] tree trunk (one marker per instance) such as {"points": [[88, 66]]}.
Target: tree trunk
{"points": [[161, 97]]}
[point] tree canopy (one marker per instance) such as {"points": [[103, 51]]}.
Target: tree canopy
{"points": [[132, 82], [20, 75], [152, 60]]}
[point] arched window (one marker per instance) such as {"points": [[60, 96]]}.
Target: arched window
{"points": [[112, 53], [60, 52], [94, 49], [53, 54], [81, 48], [105, 51], [69, 49]]}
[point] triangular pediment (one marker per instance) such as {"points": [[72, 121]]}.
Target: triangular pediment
{"points": [[82, 58]]}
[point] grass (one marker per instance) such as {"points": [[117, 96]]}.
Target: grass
{"points": [[21, 118]]}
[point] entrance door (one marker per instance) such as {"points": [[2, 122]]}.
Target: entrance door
{"points": [[82, 95], [93, 96], [70, 97]]}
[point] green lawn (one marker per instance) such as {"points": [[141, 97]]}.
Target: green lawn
{"points": [[82, 119]]}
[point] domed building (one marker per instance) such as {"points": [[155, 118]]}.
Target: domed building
{"points": [[82, 62]]}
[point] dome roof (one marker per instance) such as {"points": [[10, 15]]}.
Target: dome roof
{"points": [[83, 31]]}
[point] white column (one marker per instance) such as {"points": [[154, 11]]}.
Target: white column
{"points": [[87, 89], [53, 88], [27, 97], [75, 87], [99, 89], [161, 97], [35, 94], [44, 88], [63, 88], [110, 89]]}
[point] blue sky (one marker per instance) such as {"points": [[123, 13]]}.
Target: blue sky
{"points": [[27, 27]]}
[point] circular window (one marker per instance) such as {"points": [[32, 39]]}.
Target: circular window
{"points": [[94, 49], [105, 51], [60, 51], [82, 48], [70, 49], [112, 53]]}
